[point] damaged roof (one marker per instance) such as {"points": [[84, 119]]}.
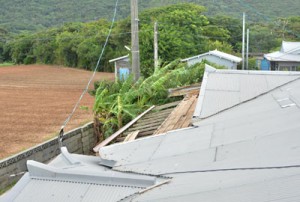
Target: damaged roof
{"points": [[223, 89], [244, 151]]}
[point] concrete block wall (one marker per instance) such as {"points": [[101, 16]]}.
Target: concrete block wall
{"points": [[79, 141]]}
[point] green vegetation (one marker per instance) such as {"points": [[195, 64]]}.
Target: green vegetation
{"points": [[184, 31], [2, 191], [119, 102], [6, 64], [32, 15]]}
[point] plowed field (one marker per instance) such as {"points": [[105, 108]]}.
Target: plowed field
{"points": [[35, 100]]}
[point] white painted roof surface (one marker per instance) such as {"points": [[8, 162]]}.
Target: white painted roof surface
{"points": [[248, 152], [290, 52], [290, 47], [119, 58], [283, 57], [76, 178], [203, 162], [223, 89], [218, 54]]}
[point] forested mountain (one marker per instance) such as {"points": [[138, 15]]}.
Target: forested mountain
{"points": [[31, 15], [184, 31]]}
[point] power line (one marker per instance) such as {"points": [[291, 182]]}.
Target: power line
{"points": [[233, 169], [60, 137]]}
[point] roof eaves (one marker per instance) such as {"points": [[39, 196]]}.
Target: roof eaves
{"points": [[226, 56], [119, 58], [208, 69], [194, 57]]}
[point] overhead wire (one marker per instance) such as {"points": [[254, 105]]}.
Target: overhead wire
{"points": [[61, 133], [232, 169]]}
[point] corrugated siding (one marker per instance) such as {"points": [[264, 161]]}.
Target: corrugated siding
{"points": [[46, 190]]}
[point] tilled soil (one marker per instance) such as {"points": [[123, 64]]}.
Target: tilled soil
{"points": [[35, 100]]}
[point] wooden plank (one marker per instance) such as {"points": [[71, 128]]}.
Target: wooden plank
{"points": [[186, 119], [134, 128], [190, 114], [140, 135], [172, 104], [153, 120], [146, 133], [131, 136], [178, 117], [184, 90], [116, 134], [179, 113], [160, 113]]}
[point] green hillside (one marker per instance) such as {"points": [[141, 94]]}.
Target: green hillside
{"points": [[31, 15]]}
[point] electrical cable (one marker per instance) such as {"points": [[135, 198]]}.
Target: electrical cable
{"points": [[232, 169], [61, 133]]}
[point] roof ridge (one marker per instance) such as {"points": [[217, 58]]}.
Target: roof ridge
{"points": [[246, 101]]}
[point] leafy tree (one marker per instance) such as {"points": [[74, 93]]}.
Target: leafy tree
{"points": [[21, 49], [180, 33], [291, 28], [119, 102], [32, 15], [263, 39], [233, 27]]}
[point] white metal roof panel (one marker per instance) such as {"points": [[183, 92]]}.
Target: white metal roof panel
{"points": [[48, 190], [283, 57], [257, 133], [145, 150], [290, 47], [226, 56], [126, 57], [237, 186], [222, 90], [218, 54]]}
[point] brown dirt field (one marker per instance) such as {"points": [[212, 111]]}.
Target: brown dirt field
{"points": [[35, 101]]}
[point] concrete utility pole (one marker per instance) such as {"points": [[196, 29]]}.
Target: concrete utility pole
{"points": [[155, 46], [247, 51], [243, 43], [135, 40]]}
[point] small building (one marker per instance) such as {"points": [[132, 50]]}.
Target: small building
{"points": [[216, 57], [122, 67], [287, 59]]}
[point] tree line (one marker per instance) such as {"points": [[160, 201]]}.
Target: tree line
{"points": [[184, 31], [33, 15]]}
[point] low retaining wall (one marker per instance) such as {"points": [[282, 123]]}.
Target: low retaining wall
{"points": [[79, 141]]}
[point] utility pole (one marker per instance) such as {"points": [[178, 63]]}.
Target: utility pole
{"points": [[135, 40], [243, 43], [247, 51], [155, 46]]}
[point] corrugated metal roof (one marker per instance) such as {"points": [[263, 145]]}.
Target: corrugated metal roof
{"points": [[282, 57], [259, 133], [76, 178], [226, 56], [223, 89], [48, 190], [249, 152], [218, 54], [290, 47], [120, 58], [290, 52], [237, 186]]}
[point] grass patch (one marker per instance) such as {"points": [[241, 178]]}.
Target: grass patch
{"points": [[6, 64], [2, 191]]}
